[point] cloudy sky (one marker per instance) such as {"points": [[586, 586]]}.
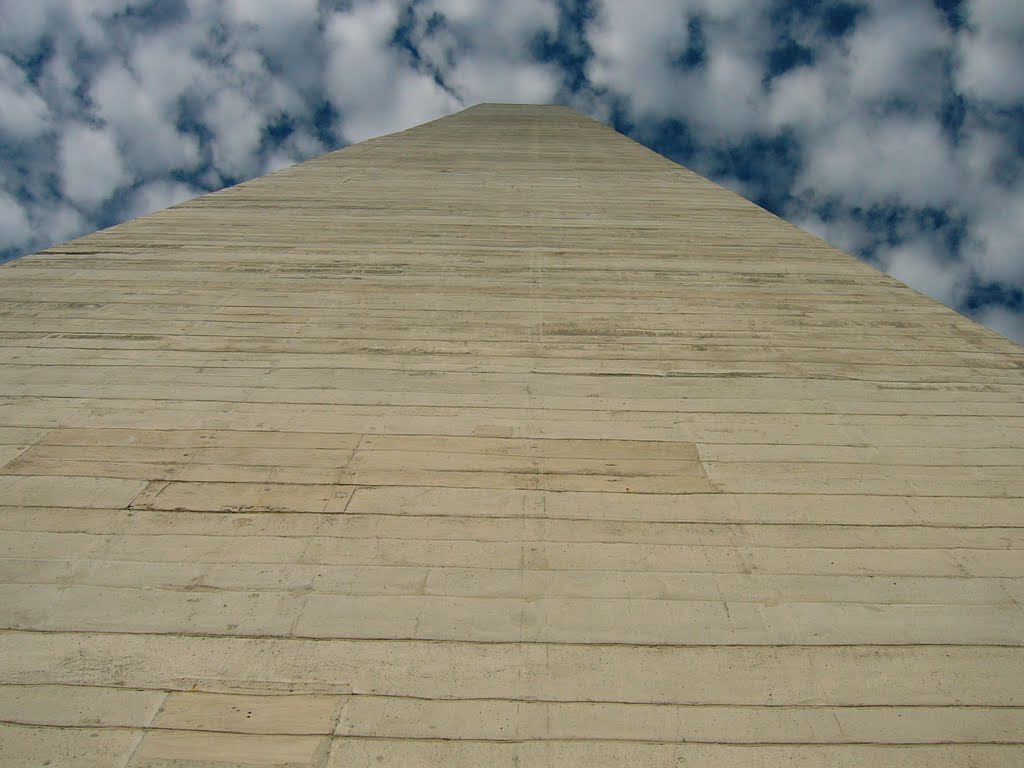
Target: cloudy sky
{"points": [[892, 128]]}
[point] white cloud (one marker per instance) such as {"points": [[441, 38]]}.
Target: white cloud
{"points": [[637, 56], [88, 18], [503, 23], [298, 146], [61, 222], [992, 53], [158, 195], [979, 154], [728, 99], [899, 160], [273, 17], [22, 24], [58, 87], [997, 251], [483, 50], [24, 114], [373, 89], [237, 127], [278, 161], [895, 51], [90, 165], [844, 234], [490, 80], [167, 67], [15, 229], [151, 143], [916, 265], [800, 99], [1005, 321], [633, 53]]}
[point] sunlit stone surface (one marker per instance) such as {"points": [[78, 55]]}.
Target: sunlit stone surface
{"points": [[500, 441]]}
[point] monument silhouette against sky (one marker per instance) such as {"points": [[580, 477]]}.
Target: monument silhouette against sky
{"points": [[500, 441]]}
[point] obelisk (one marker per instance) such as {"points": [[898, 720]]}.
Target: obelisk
{"points": [[500, 441]]}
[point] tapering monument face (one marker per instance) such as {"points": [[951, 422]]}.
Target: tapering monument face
{"points": [[501, 441]]}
